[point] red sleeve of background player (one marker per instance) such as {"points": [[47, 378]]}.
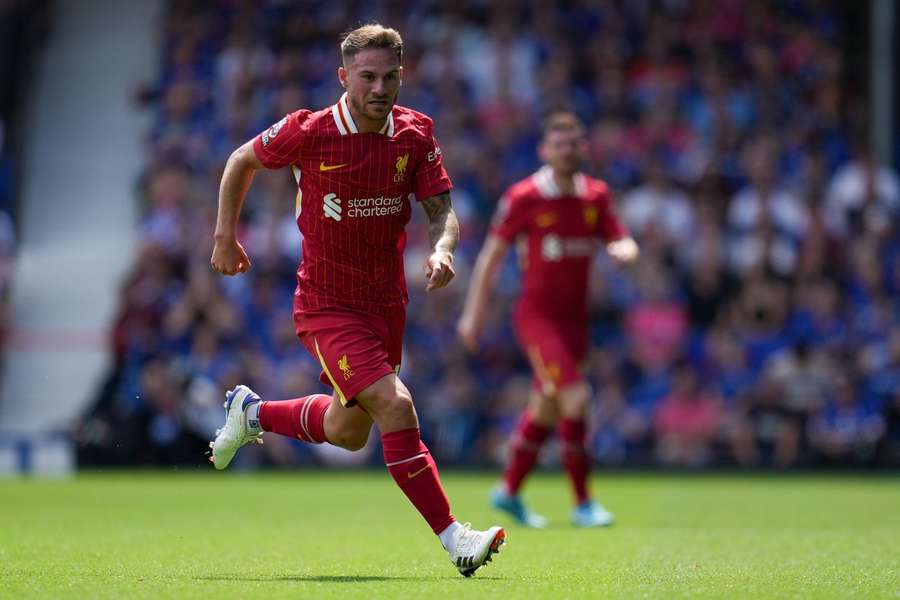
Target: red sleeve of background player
{"points": [[509, 219], [610, 225], [279, 145], [430, 178]]}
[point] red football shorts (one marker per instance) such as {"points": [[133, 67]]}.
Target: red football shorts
{"points": [[555, 348], [355, 349]]}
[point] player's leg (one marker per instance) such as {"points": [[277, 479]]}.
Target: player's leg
{"points": [[337, 340], [534, 428], [316, 419], [572, 401], [409, 462], [541, 343], [347, 426]]}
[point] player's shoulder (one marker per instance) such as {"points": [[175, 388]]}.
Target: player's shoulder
{"points": [[522, 190], [316, 121], [311, 122], [412, 122], [596, 190]]}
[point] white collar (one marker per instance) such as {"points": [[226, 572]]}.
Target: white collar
{"points": [[344, 120], [546, 185]]}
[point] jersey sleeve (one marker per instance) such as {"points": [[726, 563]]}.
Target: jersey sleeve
{"points": [[610, 226], [279, 145], [430, 178], [509, 219]]}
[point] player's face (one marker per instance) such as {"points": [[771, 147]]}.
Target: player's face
{"points": [[564, 150], [372, 81]]}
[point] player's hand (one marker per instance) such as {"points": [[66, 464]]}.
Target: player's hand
{"points": [[229, 258], [468, 332], [624, 251], [439, 270]]}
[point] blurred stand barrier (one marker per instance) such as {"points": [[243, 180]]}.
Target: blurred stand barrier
{"points": [[80, 156], [39, 455]]}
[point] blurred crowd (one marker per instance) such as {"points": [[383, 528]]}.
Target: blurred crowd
{"points": [[759, 328]]}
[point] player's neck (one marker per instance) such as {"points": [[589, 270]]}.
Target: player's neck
{"points": [[365, 124], [565, 182]]}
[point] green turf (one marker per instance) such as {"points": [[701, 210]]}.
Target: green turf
{"points": [[352, 535]]}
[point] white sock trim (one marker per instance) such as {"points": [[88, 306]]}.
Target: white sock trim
{"points": [[406, 460], [304, 413]]}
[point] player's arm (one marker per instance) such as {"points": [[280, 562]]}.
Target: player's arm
{"points": [[443, 234], [229, 257], [619, 243], [275, 148], [484, 276]]}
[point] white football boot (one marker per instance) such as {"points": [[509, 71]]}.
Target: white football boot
{"points": [[591, 514], [236, 432], [472, 549], [513, 506]]}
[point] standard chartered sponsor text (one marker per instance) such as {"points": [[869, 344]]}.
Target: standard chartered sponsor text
{"points": [[375, 207]]}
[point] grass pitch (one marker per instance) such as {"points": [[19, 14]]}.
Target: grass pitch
{"points": [[352, 535]]}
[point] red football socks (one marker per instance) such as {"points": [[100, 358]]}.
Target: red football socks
{"points": [[525, 446], [300, 418], [575, 460], [412, 467]]}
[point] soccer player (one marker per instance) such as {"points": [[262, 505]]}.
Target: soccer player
{"points": [[558, 218], [357, 164]]}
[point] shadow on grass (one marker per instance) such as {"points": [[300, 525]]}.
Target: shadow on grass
{"points": [[326, 578]]}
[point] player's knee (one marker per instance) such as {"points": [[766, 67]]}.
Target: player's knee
{"points": [[544, 409], [397, 406], [389, 404], [573, 401], [352, 440]]}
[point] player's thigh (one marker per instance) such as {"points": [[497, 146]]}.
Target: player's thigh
{"points": [[350, 348], [572, 400], [554, 353], [543, 408]]}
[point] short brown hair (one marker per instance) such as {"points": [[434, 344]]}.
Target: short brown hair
{"points": [[371, 35], [561, 121]]}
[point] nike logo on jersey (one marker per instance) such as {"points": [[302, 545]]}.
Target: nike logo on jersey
{"points": [[324, 167], [411, 475]]}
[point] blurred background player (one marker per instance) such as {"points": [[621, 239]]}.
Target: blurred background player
{"points": [[356, 164], [557, 217]]}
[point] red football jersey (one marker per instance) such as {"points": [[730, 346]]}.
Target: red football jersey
{"points": [[557, 237], [353, 200]]}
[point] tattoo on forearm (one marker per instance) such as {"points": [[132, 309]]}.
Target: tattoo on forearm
{"points": [[443, 228]]}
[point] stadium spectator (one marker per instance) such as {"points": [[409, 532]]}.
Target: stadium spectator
{"points": [[688, 421], [659, 213], [847, 430], [863, 197], [767, 222]]}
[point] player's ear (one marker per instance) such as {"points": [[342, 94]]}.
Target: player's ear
{"points": [[542, 150], [400, 75], [342, 76]]}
